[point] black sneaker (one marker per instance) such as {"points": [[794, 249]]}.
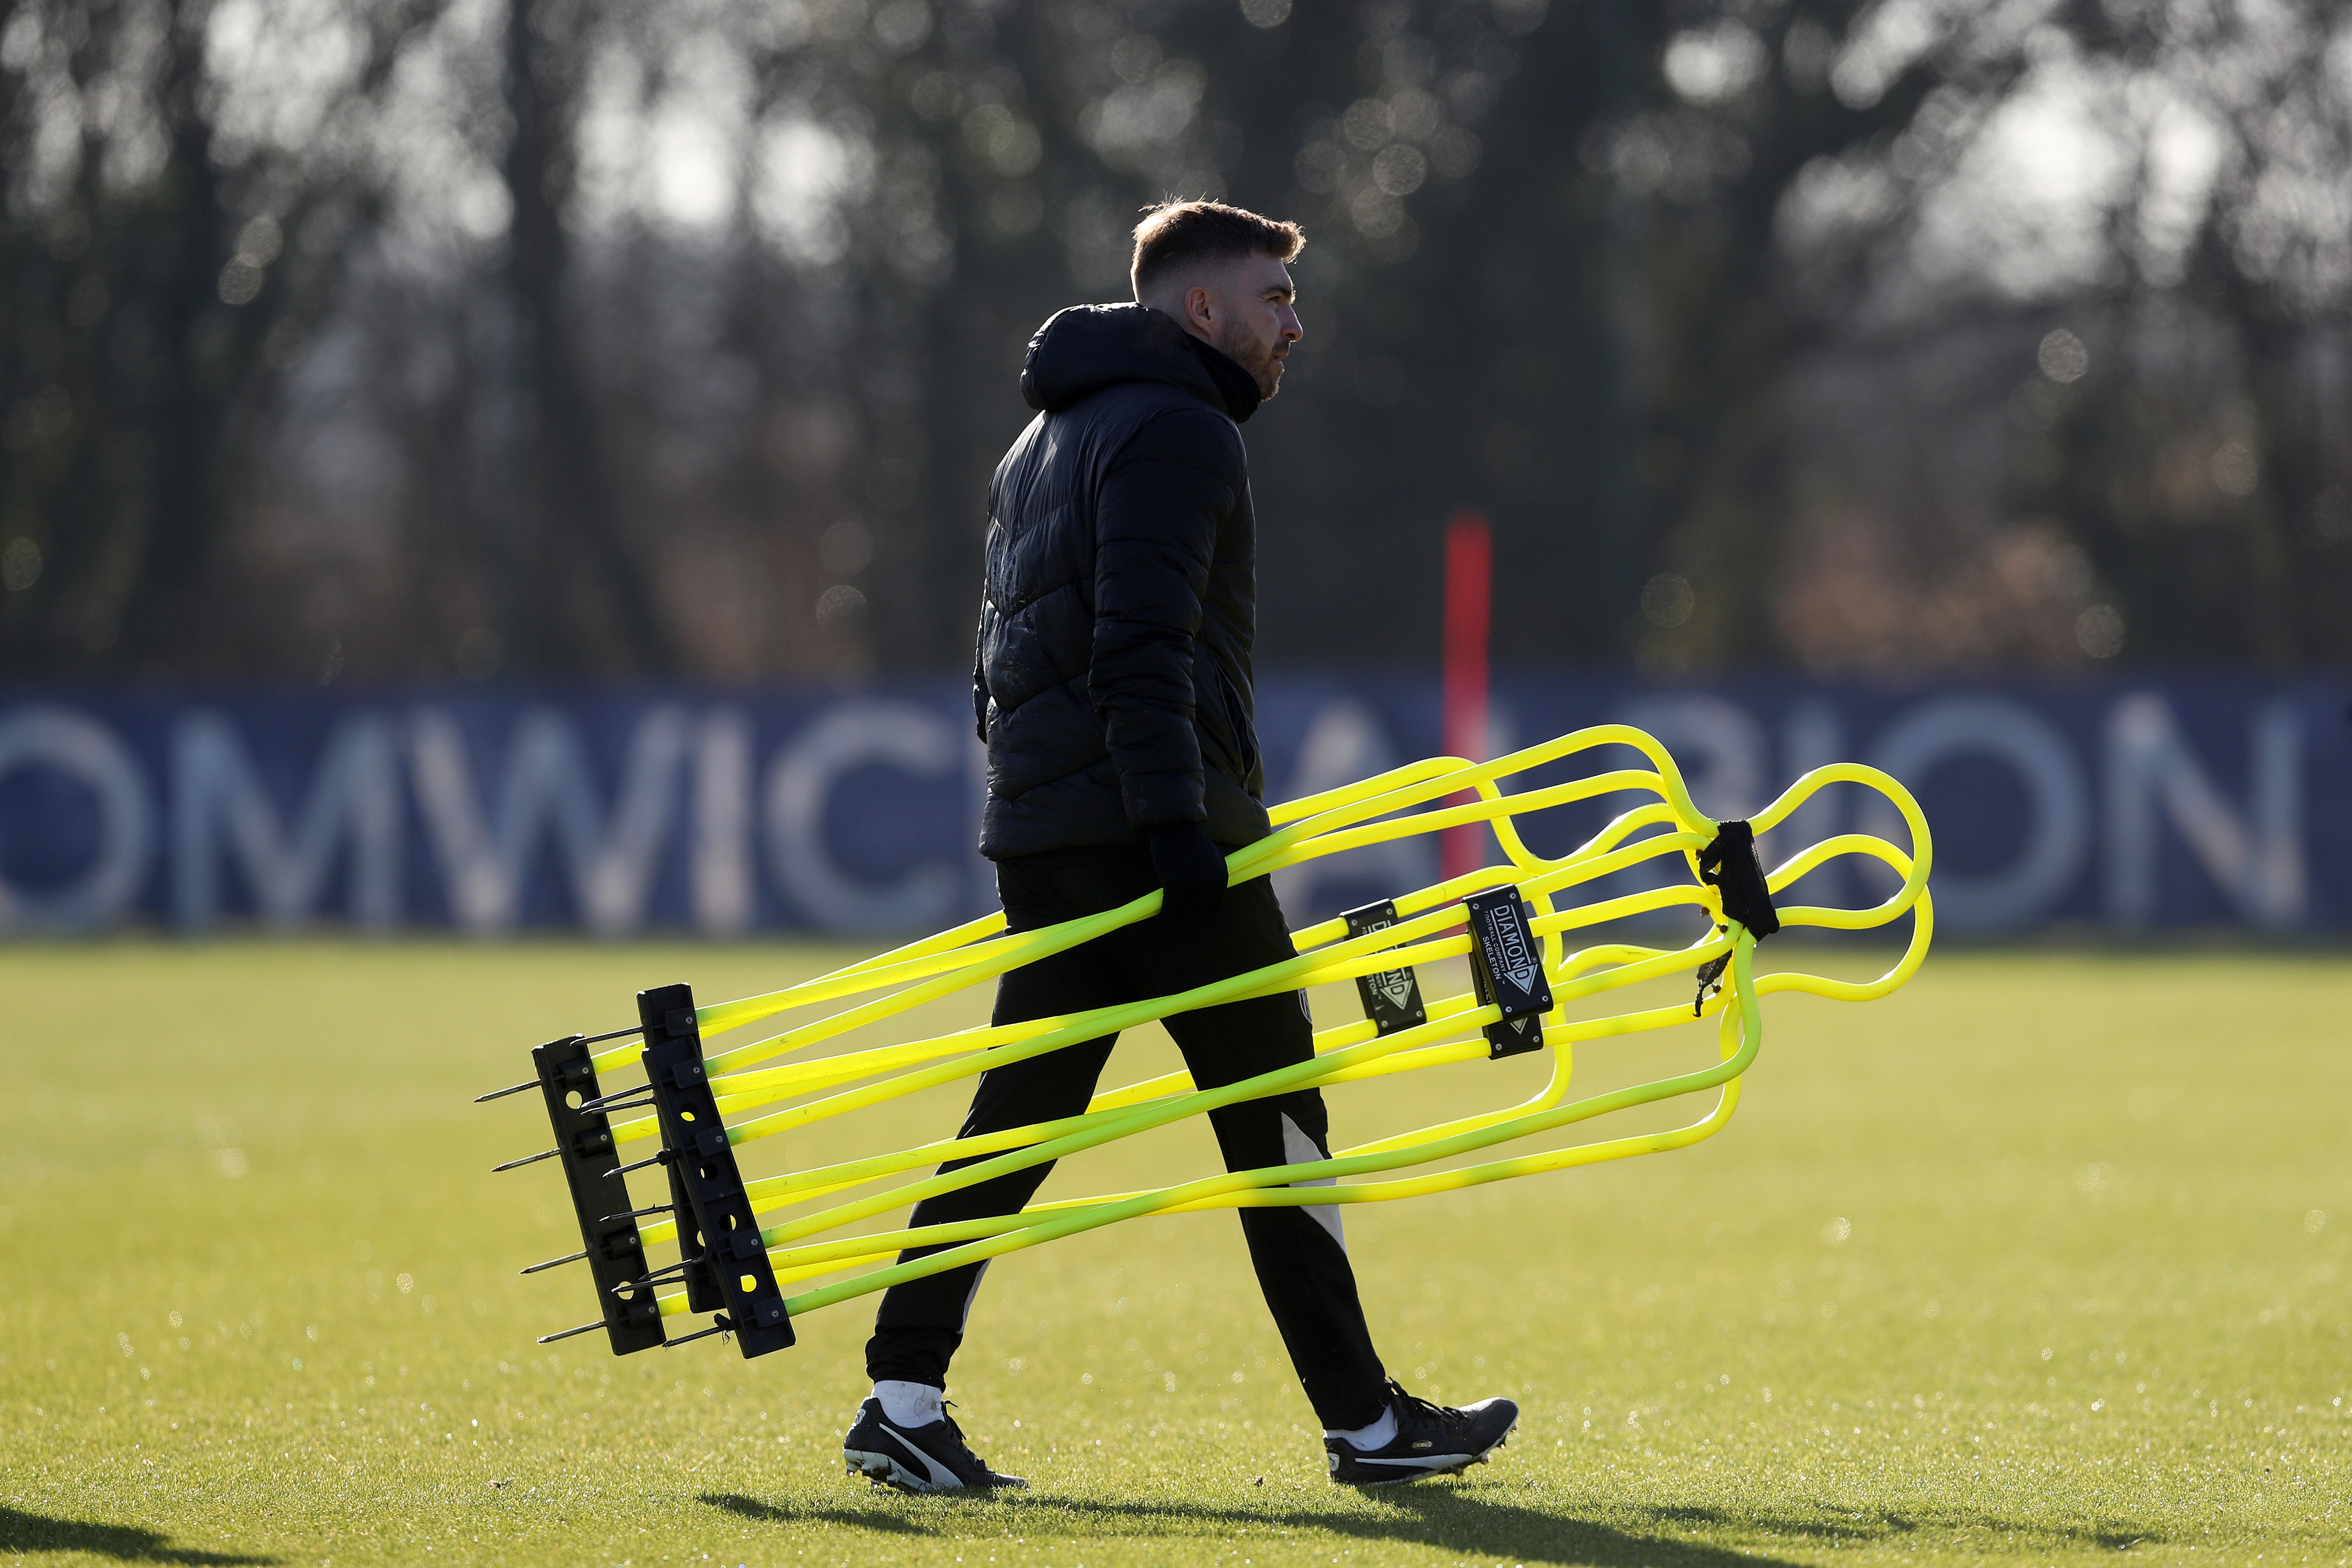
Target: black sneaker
{"points": [[1431, 1440], [927, 1459]]}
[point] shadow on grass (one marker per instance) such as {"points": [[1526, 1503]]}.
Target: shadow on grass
{"points": [[23, 1532], [883, 1518], [1450, 1519], [1857, 1526], [1453, 1519]]}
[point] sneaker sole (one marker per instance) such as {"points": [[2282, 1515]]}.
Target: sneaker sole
{"points": [[886, 1471], [1453, 1467]]}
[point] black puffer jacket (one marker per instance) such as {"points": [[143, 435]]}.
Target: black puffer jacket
{"points": [[1112, 678]]}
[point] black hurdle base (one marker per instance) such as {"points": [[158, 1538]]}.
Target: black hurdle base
{"points": [[600, 1196], [719, 1235]]}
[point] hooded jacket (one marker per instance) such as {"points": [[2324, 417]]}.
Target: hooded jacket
{"points": [[1111, 681]]}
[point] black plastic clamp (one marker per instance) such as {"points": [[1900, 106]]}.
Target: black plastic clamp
{"points": [[600, 1196], [1506, 970], [1729, 866], [717, 1234], [1392, 996]]}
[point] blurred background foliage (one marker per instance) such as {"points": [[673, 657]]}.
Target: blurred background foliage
{"points": [[388, 340]]}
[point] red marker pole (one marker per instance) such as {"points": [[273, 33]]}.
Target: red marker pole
{"points": [[1469, 591]]}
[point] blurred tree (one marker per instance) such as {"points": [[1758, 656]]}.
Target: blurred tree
{"points": [[2191, 416], [573, 591], [2106, 260], [173, 225], [562, 337], [1550, 241]]}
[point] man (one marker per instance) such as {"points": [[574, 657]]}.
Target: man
{"points": [[1112, 686]]}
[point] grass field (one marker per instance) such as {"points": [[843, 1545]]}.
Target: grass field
{"points": [[2042, 1259]]}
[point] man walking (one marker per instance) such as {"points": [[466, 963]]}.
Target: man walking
{"points": [[1112, 685]]}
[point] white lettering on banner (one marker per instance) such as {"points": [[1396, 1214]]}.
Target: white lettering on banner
{"points": [[1812, 736], [720, 875], [1719, 746], [2256, 859], [1502, 739], [859, 734], [220, 807], [1346, 741], [2057, 812], [87, 751], [548, 783]]}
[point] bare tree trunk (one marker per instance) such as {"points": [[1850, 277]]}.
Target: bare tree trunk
{"points": [[184, 397], [564, 509]]}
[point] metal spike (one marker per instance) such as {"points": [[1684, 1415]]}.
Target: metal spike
{"points": [[583, 1329], [612, 1102], [502, 1093], [725, 1327], [660, 1159], [653, 1277], [526, 1160], [638, 1214], [554, 1263], [616, 1034]]}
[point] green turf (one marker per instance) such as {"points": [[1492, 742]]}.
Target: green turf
{"points": [[2032, 1263]]}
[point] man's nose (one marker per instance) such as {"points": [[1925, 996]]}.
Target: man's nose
{"points": [[1291, 331]]}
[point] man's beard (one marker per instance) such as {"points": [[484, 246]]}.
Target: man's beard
{"points": [[1263, 364]]}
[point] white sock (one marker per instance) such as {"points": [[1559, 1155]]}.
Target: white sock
{"points": [[1379, 1435], [909, 1403]]}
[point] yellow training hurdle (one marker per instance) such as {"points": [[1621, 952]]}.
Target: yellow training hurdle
{"points": [[755, 1101]]}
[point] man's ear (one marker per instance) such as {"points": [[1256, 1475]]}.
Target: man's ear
{"points": [[1200, 307]]}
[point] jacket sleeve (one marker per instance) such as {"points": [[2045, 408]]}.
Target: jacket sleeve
{"points": [[980, 676], [1156, 522]]}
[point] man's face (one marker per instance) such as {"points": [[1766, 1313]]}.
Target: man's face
{"points": [[1248, 312]]}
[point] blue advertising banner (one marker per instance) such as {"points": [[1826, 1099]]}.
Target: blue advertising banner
{"points": [[2127, 805]]}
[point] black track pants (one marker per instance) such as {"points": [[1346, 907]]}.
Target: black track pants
{"points": [[1300, 1258]]}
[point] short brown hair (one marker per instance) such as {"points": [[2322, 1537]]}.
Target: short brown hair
{"points": [[1175, 233]]}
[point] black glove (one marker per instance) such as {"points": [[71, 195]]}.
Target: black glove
{"points": [[1191, 867]]}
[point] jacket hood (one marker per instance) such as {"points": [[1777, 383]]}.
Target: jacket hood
{"points": [[1080, 350]]}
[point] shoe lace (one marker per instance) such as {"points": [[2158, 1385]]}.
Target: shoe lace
{"points": [[963, 1459], [1413, 1408]]}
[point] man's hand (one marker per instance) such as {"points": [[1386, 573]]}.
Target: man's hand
{"points": [[1191, 867]]}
